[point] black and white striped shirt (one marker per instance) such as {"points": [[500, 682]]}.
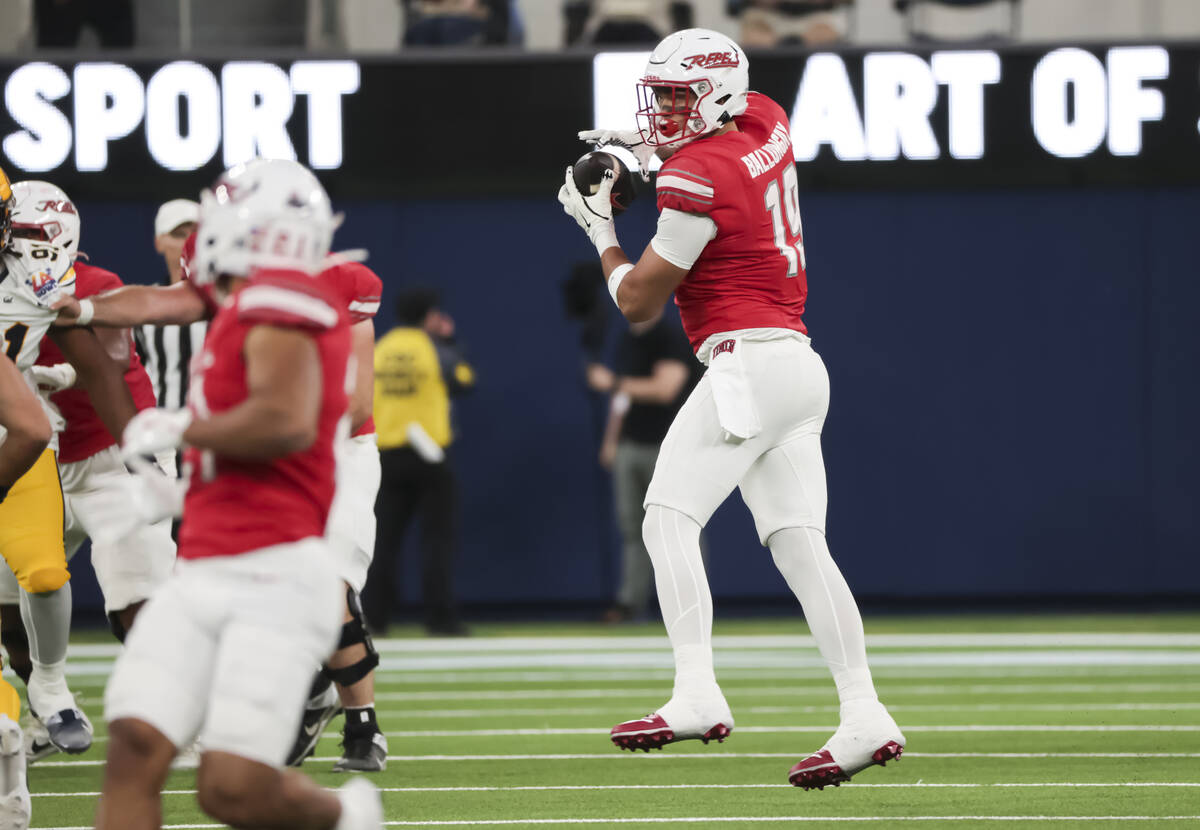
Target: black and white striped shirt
{"points": [[166, 352]]}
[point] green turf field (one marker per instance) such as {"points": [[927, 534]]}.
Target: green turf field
{"points": [[1050, 721]]}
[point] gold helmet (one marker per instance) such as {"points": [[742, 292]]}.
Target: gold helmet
{"points": [[6, 200]]}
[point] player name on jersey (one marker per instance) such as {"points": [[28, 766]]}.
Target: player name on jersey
{"points": [[770, 154]]}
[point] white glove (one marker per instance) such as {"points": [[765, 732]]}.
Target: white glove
{"points": [[156, 495], [593, 213], [631, 140], [54, 378], [147, 496], [154, 430], [167, 463]]}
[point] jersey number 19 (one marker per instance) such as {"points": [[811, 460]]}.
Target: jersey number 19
{"points": [[783, 198]]}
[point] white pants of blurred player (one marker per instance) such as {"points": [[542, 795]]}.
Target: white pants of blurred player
{"points": [[351, 528], [93, 496], [224, 651], [753, 422]]}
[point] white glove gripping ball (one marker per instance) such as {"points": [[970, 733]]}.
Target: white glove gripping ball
{"points": [[631, 140]]}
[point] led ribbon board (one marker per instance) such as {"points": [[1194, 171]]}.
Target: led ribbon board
{"points": [[474, 124], [963, 117]]}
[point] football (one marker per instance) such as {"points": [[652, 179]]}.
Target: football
{"points": [[589, 171]]}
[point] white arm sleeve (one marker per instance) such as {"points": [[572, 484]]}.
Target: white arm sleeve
{"points": [[682, 236]]}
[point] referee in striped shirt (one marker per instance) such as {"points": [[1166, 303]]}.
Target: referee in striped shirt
{"points": [[166, 351]]}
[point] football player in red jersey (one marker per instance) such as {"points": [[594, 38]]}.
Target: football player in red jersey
{"points": [[224, 649], [730, 246], [352, 523]]}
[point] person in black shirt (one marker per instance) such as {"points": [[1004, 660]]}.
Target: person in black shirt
{"points": [[655, 372]]}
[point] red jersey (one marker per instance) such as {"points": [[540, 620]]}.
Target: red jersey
{"points": [[235, 506], [752, 274], [360, 291], [354, 284], [85, 434]]}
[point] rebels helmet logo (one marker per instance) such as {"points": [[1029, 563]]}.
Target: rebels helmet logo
{"points": [[58, 206], [713, 60]]}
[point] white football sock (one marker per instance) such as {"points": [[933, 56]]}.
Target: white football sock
{"points": [[47, 619], [803, 558], [47, 689], [673, 541]]}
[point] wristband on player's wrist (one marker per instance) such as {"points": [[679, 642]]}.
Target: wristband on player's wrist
{"points": [[87, 310], [605, 238], [614, 280]]}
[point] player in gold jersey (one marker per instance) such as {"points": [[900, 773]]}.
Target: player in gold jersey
{"points": [[38, 240]]}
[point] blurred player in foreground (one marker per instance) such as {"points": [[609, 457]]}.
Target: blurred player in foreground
{"points": [[729, 244], [352, 522], [39, 230], [224, 649], [90, 468]]}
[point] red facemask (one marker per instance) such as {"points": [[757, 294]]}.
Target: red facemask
{"points": [[655, 112]]}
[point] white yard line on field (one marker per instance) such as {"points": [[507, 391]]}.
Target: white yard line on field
{"points": [[587, 787], [583, 711], [714, 756], [976, 727], [799, 641], [705, 820], [491, 645], [735, 674], [821, 689], [96, 674], [751, 819], [768, 730], [1051, 662], [661, 659]]}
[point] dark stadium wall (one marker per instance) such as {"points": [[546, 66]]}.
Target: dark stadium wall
{"points": [[1014, 391]]}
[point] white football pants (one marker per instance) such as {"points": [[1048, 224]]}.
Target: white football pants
{"points": [[224, 650], [776, 393]]}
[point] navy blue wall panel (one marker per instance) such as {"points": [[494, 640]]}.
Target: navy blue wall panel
{"points": [[1014, 389]]}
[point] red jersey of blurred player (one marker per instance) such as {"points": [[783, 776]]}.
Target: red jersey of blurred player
{"points": [[751, 275], [360, 291], [235, 506], [356, 286], [85, 434]]}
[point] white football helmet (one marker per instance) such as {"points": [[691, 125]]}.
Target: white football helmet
{"points": [[43, 213], [697, 73], [45, 235], [263, 214]]}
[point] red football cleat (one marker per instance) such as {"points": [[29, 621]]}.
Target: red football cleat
{"points": [[652, 732], [819, 770]]}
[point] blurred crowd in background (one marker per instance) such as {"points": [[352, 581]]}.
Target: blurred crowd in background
{"points": [[387, 25]]}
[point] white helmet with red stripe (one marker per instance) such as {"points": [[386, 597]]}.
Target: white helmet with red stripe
{"points": [[43, 213], [696, 73], [263, 214], [45, 235]]}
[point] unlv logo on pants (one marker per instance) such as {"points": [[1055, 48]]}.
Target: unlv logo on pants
{"points": [[723, 347]]}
